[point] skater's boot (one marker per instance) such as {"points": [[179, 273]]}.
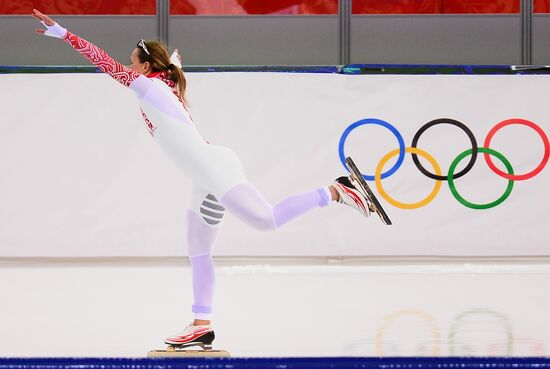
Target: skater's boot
{"points": [[352, 196], [192, 335]]}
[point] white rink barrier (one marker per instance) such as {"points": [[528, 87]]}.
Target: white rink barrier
{"points": [[81, 176]]}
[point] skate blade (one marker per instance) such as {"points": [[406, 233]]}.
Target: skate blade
{"points": [[188, 353], [374, 205], [359, 186], [184, 346], [372, 202]]}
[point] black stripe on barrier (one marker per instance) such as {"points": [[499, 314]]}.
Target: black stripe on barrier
{"points": [[277, 363], [443, 69], [14, 69], [351, 69]]}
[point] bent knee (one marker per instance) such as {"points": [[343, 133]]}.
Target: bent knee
{"points": [[264, 223]]}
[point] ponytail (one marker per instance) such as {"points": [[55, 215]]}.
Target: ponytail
{"points": [[176, 74]]}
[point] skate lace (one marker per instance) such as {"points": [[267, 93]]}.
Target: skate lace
{"points": [[190, 329], [186, 331]]}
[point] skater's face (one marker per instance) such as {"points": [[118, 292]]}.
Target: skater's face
{"points": [[137, 65]]}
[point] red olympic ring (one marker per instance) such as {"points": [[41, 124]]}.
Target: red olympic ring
{"points": [[517, 177]]}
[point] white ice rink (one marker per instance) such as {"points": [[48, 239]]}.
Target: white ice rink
{"points": [[279, 307]]}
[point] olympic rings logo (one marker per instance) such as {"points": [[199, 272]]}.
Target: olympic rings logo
{"points": [[451, 175]]}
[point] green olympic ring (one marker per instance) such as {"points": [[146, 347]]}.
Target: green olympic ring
{"points": [[461, 199]]}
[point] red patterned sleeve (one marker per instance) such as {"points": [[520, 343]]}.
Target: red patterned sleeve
{"points": [[102, 60]]}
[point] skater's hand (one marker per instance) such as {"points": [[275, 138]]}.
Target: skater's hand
{"points": [[53, 29]]}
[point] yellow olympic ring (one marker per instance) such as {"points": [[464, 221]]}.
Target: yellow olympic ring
{"points": [[415, 205]]}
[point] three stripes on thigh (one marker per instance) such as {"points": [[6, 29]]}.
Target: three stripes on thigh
{"points": [[211, 210]]}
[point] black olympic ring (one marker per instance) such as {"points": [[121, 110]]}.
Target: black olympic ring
{"points": [[454, 123]]}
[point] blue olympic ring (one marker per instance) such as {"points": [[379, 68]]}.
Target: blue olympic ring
{"points": [[382, 123]]}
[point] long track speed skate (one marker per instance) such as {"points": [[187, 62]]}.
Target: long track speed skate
{"points": [[179, 346], [374, 205]]}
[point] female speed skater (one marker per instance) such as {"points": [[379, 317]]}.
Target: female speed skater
{"points": [[219, 182]]}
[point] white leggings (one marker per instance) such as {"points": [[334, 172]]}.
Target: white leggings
{"points": [[205, 219]]}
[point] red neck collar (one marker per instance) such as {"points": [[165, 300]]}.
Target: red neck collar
{"points": [[155, 74]]}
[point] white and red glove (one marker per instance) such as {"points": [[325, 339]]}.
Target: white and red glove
{"points": [[54, 31]]}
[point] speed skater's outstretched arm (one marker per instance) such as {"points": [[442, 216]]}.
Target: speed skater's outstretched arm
{"points": [[91, 52], [101, 59], [143, 86]]}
